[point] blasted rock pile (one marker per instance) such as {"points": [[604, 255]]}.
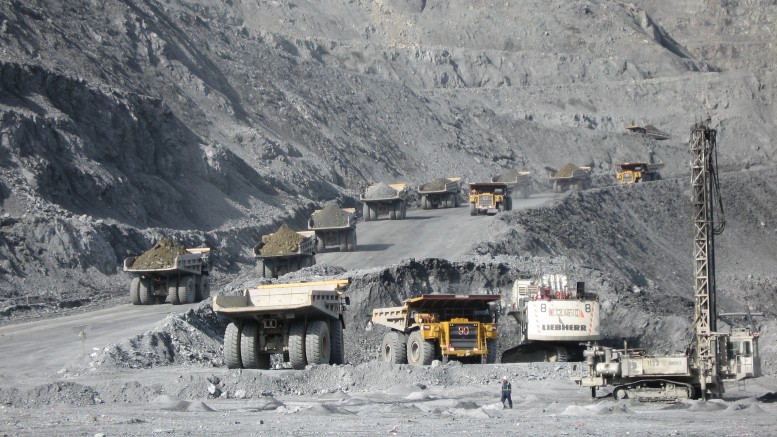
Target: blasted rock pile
{"points": [[161, 256], [284, 240], [330, 216], [380, 191]]}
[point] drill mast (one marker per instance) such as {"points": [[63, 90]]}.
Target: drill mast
{"points": [[704, 190]]}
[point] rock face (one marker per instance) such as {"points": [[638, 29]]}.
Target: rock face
{"points": [[161, 256], [282, 241]]}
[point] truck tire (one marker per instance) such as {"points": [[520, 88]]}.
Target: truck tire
{"points": [[366, 212], [419, 351], [187, 289], [472, 210], [297, 345], [146, 291], [456, 200], [250, 355], [492, 346], [172, 290], [374, 212], [394, 348], [318, 343], [556, 187], [232, 346], [501, 206], [338, 342], [404, 210], [424, 203], [203, 287], [509, 201], [392, 213], [261, 269], [135, 291], [320, 247], [351, 243], [525, 192]]}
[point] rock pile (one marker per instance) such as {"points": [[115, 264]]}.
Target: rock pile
{"points": [[330, 216], [284, 240], [435, 185], [161, 256], [380, 191]]}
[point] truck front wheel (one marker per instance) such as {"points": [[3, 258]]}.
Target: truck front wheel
{"points": [[297, 344], [232, 346], [186, 289], [394, 348], [419, 351], [203, 287], [472, 210], [146, 291], [250, 355], [338, 342], [366, 213], [318, 343], [135, 291]]}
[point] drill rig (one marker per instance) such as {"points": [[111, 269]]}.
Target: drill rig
{"points": [[713, 357]]}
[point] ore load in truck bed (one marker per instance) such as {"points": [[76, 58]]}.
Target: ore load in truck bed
{"points": [[331, 216], [161, 256], [566, 171], [380, 191], [283, 241], [438, 184]]}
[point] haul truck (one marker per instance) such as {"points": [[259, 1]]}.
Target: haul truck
{"points": [[440, 193], [634, 172], [384, 199], [553, 319], [275, 263], [571, 177], [334, 230], [440, 326], [519, 181], [488, 196], [303, 321], [184, 281], [713, 357]]}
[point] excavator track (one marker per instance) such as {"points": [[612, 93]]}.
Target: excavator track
{"points": [[655, 390]]}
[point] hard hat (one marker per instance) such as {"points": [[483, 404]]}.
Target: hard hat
{"points": [[504, 378]]}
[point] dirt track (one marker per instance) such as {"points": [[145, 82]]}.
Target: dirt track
{"points": [[434, 233]]}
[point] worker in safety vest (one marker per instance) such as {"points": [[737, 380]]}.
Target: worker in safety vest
{"points": [[506, 390]]}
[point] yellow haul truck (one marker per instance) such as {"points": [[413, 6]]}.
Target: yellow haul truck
{"points": [[488, 196], [633, 172], [439, 326]]}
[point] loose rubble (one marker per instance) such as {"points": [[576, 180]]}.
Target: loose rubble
{"points": [[282, 241], [161, 256]]}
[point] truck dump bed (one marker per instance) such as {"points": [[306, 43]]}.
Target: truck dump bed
{"points": [[325, 220], [446, 305], [321, 298], [305, 246], [440, 186], [382, 192], [191, 262]]}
